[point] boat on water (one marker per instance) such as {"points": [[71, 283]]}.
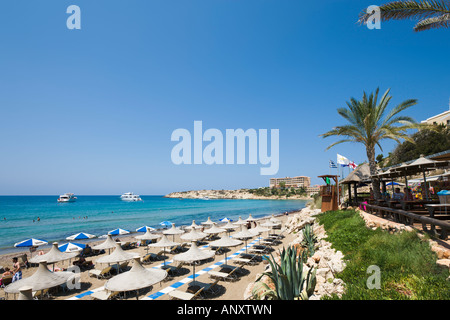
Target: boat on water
{"points": [[130, 196], [67, 197]]}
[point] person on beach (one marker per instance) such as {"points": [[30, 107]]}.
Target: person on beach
{"points": [[5, 274], [17, 271]]}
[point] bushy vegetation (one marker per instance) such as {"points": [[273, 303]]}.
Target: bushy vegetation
{"points": [[407, 265], [280, 192]]}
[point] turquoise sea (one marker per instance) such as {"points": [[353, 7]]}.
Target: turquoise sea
{"points": [[99, 214]]}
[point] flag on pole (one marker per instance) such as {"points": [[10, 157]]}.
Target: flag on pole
{"points": [[352, 165], [333, 165], [343, 161]]}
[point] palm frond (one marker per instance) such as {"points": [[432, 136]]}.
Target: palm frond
{"points": [[424, 10], [442, 21]]}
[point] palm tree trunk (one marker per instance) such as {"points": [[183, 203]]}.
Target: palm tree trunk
{"points": [[373, 171]]}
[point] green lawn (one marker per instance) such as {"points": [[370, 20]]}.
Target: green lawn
{"points": [[407, 266]]}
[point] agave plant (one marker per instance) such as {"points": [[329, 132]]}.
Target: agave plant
{"points": [[309, 239], [288, 277], [432, 14]]}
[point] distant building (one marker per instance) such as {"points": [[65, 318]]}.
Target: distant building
{"points": [[294, 182], [442, 118], [313, 190]]}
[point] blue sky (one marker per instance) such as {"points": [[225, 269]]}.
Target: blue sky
{"points": [[91, 111]]}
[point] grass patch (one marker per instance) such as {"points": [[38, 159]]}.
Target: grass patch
{"points": [[407, 265]]}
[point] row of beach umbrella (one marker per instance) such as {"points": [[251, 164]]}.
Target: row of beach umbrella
{"points": [[138, 276]]}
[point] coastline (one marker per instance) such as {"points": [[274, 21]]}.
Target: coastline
{"points": [[230, 291], [230, 194]]}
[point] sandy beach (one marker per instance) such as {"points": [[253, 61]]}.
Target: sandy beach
{"points": [[226, 290]]}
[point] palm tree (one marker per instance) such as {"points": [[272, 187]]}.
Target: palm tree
{"points": [[432, 14], [370, 123]]}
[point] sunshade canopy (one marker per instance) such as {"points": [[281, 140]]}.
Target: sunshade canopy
{"points": [[118, 255], [54, 255], [30, 243], [225, 241], [243, 234], [42, 279], [193, 235], [173, 230], [80, 236], [194, 254], [164, 242], [148, 236], [109, 243], [72, 247], [118, 231], [214, 230], [136, 278]]}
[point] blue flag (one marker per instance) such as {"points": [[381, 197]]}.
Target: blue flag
{"points": [[333, 165]]}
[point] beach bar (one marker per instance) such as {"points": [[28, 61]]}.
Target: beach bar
{"points": [[329, 193]]}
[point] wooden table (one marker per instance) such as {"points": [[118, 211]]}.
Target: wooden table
{"points": [[410, 204]]}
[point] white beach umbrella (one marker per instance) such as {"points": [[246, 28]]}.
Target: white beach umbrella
{"points": [[214, 230], [250, 218], [258, 229], [208, 222], [144, 229], [136, 278], [109, 243], [54, 255], [193, 255], [118, 255], [193, 226], [41, 279], [148, 235], [240, 222], [244, 234], [225, 241], [164, 243], [30, 243], [118, 231], [229, 226], [71, 247], [193, 235], [25, 293], [173, 231], [275, 220], [80, 236]]}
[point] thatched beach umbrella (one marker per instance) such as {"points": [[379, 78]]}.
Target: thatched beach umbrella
{"points": [[208, 222], [225, 242], [54, 255], [229, 226], [109, 243], [214, 230], [138, 277], [193, 235], [164, 243], [41, 279], [193, 255], [25, 293], [275, 220], [173, 231], [250, 218], [148, 236], [193, 226], [118, 255], [244, 234], [240, 223]]}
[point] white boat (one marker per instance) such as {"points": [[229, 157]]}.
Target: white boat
{"points": [[67, 197], [129, 196]]}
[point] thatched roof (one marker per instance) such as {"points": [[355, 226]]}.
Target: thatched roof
{"points": [[360, 174]]}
